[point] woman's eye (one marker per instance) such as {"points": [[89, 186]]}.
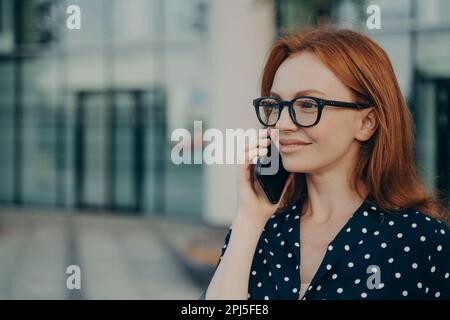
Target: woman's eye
{"points": [[307, 105]]}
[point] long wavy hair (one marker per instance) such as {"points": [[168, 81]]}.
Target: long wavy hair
{"points": [[386, 161]]}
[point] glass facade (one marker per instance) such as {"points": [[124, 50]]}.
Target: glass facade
{"points": [[85, 115]]}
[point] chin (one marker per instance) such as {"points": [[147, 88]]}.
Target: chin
{"points": [[296, 165]]}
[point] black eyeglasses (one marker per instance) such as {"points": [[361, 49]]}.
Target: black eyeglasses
{"points": [[305, 111]]}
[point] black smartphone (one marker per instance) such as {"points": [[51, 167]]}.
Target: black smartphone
{"points": [[272, 184]]}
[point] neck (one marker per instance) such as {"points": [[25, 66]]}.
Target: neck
{"points": [[330, 196]]}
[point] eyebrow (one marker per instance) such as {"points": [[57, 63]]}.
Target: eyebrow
{"points": [[300, 93]]}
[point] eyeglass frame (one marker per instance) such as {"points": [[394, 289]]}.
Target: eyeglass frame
{"points": [[321, 103]]}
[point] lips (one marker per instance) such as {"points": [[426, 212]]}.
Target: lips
{"points": [[288, 142], [288, 146]]}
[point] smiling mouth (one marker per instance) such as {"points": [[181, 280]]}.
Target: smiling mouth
{"points": [[292, 146]]}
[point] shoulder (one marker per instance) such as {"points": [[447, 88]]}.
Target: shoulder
{"points": [[423, 235], [284, 217], [412, 221]]}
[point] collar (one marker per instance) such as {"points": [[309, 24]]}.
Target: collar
{"points": [[363, 221]]}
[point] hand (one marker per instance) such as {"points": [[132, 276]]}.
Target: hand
{"points": [[251, 204]]}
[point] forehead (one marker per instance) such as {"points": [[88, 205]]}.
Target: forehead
{"points": [[304, 71]]}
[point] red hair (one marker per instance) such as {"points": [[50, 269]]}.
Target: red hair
{"points": [[386, 161]]}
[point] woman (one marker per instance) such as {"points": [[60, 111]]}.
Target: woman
{"points": [[354, 221]]}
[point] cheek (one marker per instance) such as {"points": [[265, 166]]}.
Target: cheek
{"points": [[331, 141]]}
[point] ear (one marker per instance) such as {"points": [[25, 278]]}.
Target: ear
{"points": [[367, 124]]}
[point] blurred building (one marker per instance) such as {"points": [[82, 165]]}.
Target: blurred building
{"points": [[86, 115]]}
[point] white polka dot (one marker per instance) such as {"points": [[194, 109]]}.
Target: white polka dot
{"points": [[310, 287], [405, 293], [271, 253], [328, 266], [260, 251], [293, 208], [296, 267], [266, 298], [399, 235], [365, 213], [426, 289], [254, 272], [376, 233], [278, 234], [347, 247], [265, 239], [442, 231], [366, 256], [374, 270], [287, 216], [282, 243], [340, 290], [391, 260], [414, 265], [419, 285], [414, 225], [405, 215], [275, 225], [391, 223], [289, 255], [264, 261], [350, 264], [272, 216], [294, 290], [437, 294], [433, 269], [423, 238], [406, 249], [248, 295], [259, 284], [349, 229], [398, 275], [357, 281], [360, 242], [270, 274], [318, 288], [297, 244], [330, 247], [381, 286], [364, 230], [383, 245], [276, 287], [290, 229], [334, 276], [373, 208], [427, 218], [439, 248], [446, 275], [278, 266], [286, 279], [363, 295], [297, 217]]}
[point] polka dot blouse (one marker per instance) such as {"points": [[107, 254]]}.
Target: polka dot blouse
{"points": [[376, 255]]}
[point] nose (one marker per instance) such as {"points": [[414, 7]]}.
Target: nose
{"points": [[285, 122]]}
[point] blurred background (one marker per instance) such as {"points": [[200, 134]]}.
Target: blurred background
{"points": [[86, 118]]}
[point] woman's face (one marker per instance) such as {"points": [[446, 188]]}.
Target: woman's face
{"points": [[333, 142]]}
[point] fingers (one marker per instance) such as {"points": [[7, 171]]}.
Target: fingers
{"points": [[253, 154], [263, 135]]}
